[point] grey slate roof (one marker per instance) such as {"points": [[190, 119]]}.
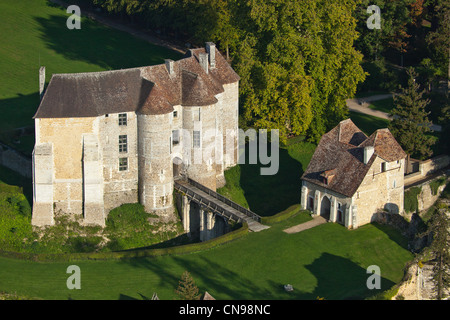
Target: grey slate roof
{"points": [[341, 152], [147, 90]]}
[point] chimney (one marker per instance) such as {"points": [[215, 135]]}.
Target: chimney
{"points": [[211, 49], [368, 152], [41, 81], [169, 66], [203, 60]]}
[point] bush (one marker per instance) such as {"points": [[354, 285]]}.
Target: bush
{"points": [[435, 184], [411, 204]]}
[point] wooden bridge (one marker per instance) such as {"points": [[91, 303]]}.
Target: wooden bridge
{"points": [[213, 203]]}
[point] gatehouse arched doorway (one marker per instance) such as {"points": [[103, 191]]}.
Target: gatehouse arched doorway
{"points": [[177, 167], [325, 208]]}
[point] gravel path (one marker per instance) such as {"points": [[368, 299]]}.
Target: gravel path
{"points": [[317, 220], [361, 105]]}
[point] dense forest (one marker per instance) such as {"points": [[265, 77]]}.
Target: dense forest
{"points": [[299, 60]]}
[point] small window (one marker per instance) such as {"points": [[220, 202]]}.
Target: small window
{"points": [[196, 139], [175, 114], [123, 143], [123, 164], [122, 119], [383, 167], [175, 136]]}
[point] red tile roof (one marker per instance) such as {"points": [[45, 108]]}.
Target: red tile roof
{"points": [[341, 151], [147, 90]]}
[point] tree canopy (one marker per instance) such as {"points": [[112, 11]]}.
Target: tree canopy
{"points": [[296, 60]]}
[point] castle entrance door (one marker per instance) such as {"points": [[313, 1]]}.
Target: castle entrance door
{"points": [[325, 208], [177, 167]]}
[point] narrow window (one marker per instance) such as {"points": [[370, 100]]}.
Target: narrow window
{"points": [[123, 144], [123, 164], [196, 139], [383, 167], [175, 136], [122, 119], [175, 114]]}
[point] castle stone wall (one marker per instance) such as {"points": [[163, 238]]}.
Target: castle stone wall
{"points": [[380, 190], [119, 186]]}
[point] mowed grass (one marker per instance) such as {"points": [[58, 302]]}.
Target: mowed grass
{"points": [[327, 261], [368, 124], [385, 105], [267, 195], [34, 34]]}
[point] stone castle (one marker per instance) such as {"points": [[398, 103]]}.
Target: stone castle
{"points": [[108, 138]]}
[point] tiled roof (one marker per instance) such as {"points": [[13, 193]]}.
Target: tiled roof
{"points": [[340, 153], [147, 90]]}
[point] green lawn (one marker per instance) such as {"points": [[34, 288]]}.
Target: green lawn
{"points": [[385, 105], [269, 194], [368, 124], [327, 261], [34, 34]]}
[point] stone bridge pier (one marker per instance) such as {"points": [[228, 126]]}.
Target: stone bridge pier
{"points": [[200, 222]]}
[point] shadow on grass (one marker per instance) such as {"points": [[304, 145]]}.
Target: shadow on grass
{"points": [[368, 124], [269, 194], [100, 45], [18, 111], [337, 278], [14, 179]]}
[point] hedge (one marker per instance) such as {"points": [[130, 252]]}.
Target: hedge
{"points": [[283, 215], [129, 254]]}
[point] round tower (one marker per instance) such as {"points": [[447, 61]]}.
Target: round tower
{"points": [[155, 164]]}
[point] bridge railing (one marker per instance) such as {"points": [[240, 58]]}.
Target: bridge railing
{"points": [[225, 200], [205, 202]]}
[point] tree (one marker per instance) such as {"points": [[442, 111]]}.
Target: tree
{"points": [[439, 39], [297, 64], [439, 227], [410, 124], [187, 290]]}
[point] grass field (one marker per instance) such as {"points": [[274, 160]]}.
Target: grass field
{"points": [[327, 261], [34, 34], [368, 124], [385, 105], [268, 194]]}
